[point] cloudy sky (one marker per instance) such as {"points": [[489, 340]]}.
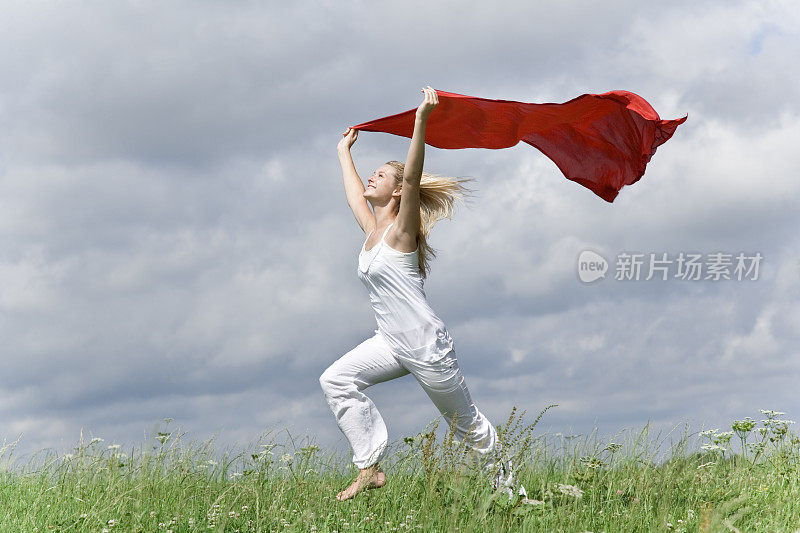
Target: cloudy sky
{"points": [[175, 240]]}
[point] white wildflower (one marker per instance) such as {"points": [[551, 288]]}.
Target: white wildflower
{"points": [[570, 490], [528, 501]]}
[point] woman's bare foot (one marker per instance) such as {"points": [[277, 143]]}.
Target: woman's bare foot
{"points": [[371, 477]]}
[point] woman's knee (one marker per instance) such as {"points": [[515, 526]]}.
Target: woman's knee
{"points": [[335, 382], [329, 381]]}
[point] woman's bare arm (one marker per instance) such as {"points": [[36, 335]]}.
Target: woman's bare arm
{"points": [[353, 186], [408, 218]]}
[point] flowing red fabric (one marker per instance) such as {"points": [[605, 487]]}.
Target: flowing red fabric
{"points": [[602, 141]]}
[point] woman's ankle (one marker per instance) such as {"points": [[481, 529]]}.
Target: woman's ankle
{"points": [[372, 468]]}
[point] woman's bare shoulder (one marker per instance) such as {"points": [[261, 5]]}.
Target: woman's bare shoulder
{"points": [[368, 225], [402, 239]]}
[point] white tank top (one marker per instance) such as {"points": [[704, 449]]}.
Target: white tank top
{"points": [[396, 291]]}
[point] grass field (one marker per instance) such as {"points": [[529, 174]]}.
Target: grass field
{"points": [[572, 485]]}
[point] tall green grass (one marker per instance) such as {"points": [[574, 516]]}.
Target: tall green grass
{"points": [[572, 485]]}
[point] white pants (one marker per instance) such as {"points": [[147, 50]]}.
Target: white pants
{"points": [[373, 362]]}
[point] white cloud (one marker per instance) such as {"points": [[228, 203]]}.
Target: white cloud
{"points": [[176, 240]]}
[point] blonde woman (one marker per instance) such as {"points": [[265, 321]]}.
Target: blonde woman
{"points": [[392, 264]]}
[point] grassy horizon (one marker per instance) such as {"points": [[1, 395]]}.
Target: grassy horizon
{"points": [[167, 485]]}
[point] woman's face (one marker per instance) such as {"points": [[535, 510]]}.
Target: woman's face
{"points": [[381, 185]]}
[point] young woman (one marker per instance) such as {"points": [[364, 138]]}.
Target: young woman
{"points": [[393, 262]]}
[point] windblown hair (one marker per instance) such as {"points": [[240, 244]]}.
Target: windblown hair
{"points": [[437, 195]]}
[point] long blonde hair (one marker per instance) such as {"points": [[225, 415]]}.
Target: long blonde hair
{"points": [[437, 195]]}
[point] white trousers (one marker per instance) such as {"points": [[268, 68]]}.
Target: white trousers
{"points": [[373, 362]]}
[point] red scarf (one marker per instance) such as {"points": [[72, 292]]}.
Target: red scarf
{"points": [[602, 141]]}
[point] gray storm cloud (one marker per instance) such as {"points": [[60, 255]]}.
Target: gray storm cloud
{"points": [[175, 240]]}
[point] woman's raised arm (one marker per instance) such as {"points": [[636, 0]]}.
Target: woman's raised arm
{"points": [[409, 217], [353, 186]]}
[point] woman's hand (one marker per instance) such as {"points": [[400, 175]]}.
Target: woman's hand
{"points": [[349, 137], [429, 103]]}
